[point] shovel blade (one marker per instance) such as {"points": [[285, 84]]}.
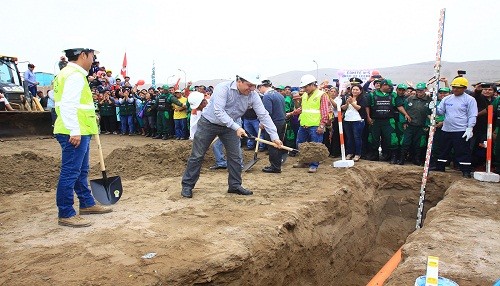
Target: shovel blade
{"points": [[107, 192], [250, 164]]}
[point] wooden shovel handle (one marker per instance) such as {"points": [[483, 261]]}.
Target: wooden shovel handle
{"points": [[275, 145], [99, 149]]}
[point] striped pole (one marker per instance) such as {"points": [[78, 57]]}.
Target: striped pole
{"points": [[341, 132], [489, 143], [437, 71]]}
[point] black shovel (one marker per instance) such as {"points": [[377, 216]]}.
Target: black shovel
{"points": [[250, 164], [106, 191]]}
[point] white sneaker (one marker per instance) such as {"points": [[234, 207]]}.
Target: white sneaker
{"points": [[356, 158], [349, 157]]}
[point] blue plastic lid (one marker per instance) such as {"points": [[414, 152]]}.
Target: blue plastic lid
{"points": [[420, 281]]}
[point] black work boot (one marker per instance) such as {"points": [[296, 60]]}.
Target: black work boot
{"points": [[402, 158], [394, 157], [439, 167]]}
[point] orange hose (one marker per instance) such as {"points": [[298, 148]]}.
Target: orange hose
{"points": [[386, 271]]}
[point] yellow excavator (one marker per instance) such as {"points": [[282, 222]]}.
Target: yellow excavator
{"points": [[28, 117]]}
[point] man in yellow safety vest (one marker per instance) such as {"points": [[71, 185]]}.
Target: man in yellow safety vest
{"points": [[73, 129]]}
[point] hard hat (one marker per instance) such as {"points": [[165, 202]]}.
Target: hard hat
{"points": [[76, 51], [178, 91], [421, 86], [444, 89], [195, 98], [251, 77], [402, 86], [165, 86], [306, 79], [460, 82]]}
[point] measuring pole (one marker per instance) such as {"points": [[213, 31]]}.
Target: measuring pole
{"points": [[437, 71]]}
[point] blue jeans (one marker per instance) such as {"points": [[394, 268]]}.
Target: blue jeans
{"points": [[180, 128], [252, 127], [353, 131], [309, 135], [127, 120], [73, 176], [203, 137], [218, 149]]}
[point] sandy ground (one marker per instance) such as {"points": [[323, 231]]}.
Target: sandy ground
{"points": [[335, 227]]}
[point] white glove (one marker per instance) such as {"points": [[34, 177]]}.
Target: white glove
{"points": [[468, 133], [432, 105]]}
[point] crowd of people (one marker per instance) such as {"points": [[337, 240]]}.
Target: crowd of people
{"points": [[377, 114]]}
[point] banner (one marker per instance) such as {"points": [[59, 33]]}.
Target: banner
{"points": [[344, 75], [124, 66], [153, 76]]}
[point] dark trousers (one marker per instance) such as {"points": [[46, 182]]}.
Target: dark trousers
{"points": [[384, 128], [274, 153], [412, 136], [161, 122], [333, 144], [203, 137], [454, 140], [108, 123]]}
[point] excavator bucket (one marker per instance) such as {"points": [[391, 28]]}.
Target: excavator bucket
{"points": [[25, 124]]}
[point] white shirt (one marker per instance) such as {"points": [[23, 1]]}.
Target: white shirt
{"points": [[194, 124], [70, 100], [351, 114]]}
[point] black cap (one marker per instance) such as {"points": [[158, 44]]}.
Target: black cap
{"points": [[488, 85], [355, 80]]}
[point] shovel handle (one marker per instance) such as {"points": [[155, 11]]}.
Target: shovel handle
{"points": [[276, 145], [257, 142], [99, 149]]}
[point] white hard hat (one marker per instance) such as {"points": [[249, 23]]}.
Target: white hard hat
{"points": [[307, 79], [195, 98], [251, 77]]}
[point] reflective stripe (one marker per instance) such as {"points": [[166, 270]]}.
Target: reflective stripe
{"points": [[311, 110], [464, 163], [441, 160], [80, 106]]}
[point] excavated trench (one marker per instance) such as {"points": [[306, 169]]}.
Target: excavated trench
{"points": [[342, 240]]}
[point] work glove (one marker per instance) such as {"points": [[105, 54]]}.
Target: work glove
{"points": [[432, 105], [467, 134]]}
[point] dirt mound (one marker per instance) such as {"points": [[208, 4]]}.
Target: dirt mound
{"points": [[156, 159], [28, 171], [312, 152]]}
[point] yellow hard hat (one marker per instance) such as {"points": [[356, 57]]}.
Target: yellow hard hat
{"points": [[460, 82]]}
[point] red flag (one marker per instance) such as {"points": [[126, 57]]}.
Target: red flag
{"points": [[124, 66], [176, 86]]}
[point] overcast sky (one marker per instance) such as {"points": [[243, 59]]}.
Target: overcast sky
{"points": [[218, 39]]}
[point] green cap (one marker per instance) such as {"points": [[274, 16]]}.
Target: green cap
{"points": [[165, 86], [421, 86], [386, 81], [192, 88], [282, 87], [444, 89], [402, 86]]}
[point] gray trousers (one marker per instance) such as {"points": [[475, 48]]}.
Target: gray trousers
{"points": [[204, 135]]}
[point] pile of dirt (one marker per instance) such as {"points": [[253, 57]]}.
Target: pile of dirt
{"points": [[28, 171], [164, 159], [312, 152]]}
